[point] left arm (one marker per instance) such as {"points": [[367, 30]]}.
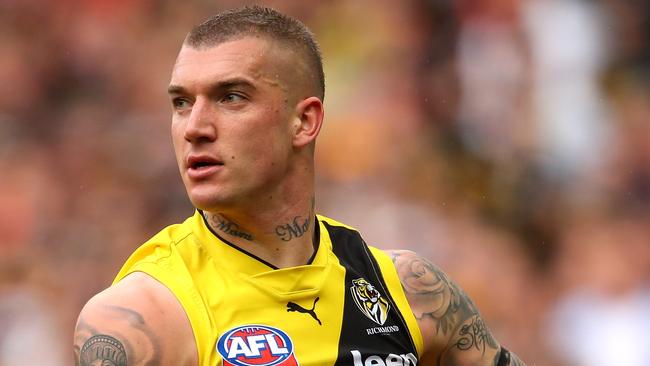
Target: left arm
{"points": [[453, 331]]}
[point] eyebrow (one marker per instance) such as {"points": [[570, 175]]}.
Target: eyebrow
{"points": [[221, 85]]}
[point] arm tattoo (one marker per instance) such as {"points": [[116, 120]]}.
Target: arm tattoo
{"points": [[221, 223], [106, 349], [443, 307], [116, 350], [83, 330], [431, 293], [475, 334]]}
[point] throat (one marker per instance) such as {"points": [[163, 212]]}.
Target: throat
{"points": [[291, 244]]}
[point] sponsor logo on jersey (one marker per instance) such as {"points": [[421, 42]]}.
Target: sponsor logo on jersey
{"points": [[390, 360], [256, 345], [370, 301]]}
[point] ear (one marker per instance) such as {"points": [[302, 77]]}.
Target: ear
{"points": [[308, 121]]}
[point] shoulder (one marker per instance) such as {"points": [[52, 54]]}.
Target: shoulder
{"points": [[166, 245], [451, 326], [135, 322]]}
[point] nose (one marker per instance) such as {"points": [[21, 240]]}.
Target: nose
{"points": [[201, 124]]}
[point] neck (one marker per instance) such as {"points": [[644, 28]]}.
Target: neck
{"points": [[283, 237]]}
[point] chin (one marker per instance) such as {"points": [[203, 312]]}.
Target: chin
{"points": [[210, 201], [205, 204], [206, 200]]}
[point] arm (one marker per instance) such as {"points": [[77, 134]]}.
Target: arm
{"points": [[137, 322], [452, 329]]}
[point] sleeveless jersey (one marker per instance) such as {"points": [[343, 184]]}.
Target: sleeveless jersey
{"points": [[346, 307]]}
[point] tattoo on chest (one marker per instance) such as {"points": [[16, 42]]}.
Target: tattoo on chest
{"points": [[294, 229], [102, 350], [229, 227]]}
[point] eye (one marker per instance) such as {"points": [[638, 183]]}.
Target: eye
{"points": [[232, 98], [181, 103]]}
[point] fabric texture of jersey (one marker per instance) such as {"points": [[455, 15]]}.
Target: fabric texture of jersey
{"points": [[346, 307]]}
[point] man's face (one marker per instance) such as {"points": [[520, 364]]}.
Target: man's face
{"points": [[232, 121]]}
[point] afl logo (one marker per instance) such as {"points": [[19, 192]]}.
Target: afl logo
{"points": [[256, 345]]}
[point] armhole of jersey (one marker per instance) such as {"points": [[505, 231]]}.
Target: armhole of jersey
{"points": [[397, 291], [189, 299]]}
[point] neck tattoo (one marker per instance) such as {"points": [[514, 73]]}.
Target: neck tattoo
{"points": [[222, 224], [297, 227]]}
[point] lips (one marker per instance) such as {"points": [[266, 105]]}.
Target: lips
{"points": [[202, 166]]}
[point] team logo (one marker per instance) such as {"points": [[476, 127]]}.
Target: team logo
{"points": [[369, 301], [256, 345]]}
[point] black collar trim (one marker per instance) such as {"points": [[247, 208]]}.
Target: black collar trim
{"points": [[315, 242]]}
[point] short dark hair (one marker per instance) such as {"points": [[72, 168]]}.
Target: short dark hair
{"points": [[264, 21]]}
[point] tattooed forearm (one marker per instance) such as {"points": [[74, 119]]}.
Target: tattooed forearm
{"points": [[222, 224], [102, 350], [476, 335]]}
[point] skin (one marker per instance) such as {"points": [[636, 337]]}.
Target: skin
{"points": [[236, 102], [247, 104], [453, 331], [136, 322]]}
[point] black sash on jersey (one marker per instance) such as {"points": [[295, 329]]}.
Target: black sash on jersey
{"points": [[364, 340]]}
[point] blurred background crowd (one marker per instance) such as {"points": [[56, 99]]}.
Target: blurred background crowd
{"points": [[508, 141]]}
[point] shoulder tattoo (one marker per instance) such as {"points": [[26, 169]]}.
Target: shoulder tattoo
{"points": [[102, 348], [444, 310], [113, 348], [431, 293]]}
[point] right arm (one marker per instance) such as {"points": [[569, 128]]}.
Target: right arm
{"points": [[137, 322], [453, 331]]}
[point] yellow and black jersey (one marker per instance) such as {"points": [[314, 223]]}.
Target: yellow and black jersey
{"points": [[346, 307]]}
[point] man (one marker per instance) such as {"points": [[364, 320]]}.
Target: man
{"points": [[255, 277]]}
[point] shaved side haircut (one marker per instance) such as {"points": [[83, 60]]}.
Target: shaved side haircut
{"points": [[262, 21]]}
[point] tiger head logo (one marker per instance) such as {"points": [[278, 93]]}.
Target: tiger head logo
{"points": [[369, 300]]}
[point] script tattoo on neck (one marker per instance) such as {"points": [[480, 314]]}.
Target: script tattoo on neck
{"points": [[229, 227], [297, 227]]}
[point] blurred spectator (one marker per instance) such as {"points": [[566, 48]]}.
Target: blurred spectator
{"points": [[570, 51], [30, 333], [602, 317], [508, 141]]}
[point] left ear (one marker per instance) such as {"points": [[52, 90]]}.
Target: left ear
{"points": [[308, 121]]}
